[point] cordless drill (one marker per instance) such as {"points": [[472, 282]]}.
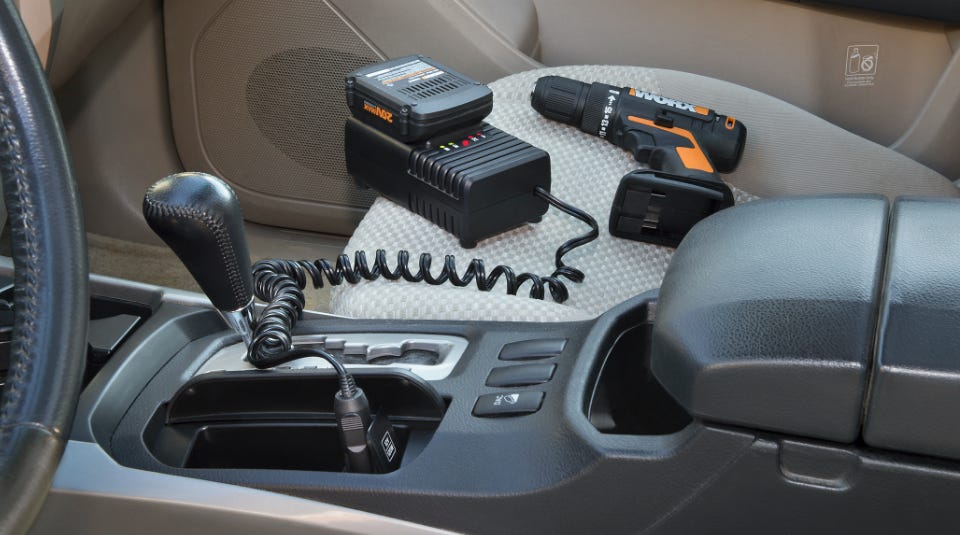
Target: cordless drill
{"points": [[684, 146], [635, 120]]}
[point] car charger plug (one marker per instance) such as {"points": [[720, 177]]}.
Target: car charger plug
{"points": [[370, 442], [352, 411]]}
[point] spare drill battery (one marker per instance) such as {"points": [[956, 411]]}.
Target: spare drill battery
{"points": [[474, 183], [415, 98]]}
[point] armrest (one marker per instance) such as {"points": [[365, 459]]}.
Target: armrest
{"points": [[768, 311]]}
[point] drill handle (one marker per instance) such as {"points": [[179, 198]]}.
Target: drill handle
{"points": [[668, 148], [668, 160]]}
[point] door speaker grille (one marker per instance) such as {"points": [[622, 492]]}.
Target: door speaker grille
{"points": [[270, 102]]}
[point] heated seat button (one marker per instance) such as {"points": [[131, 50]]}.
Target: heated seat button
{"points": [[542, 348], [521, 375], [508, 404]]}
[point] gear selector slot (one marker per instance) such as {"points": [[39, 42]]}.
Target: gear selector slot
{"points": [[430, 356]]}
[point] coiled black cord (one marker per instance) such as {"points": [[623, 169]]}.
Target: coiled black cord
{"points": [[280, 283]]}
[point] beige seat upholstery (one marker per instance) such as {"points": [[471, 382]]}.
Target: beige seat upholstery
{"points": [[789, 152]]}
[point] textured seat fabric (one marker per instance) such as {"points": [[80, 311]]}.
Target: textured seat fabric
{"points": [[789, 152]]}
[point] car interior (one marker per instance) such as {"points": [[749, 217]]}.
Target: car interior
{"points": [[479, 266]]}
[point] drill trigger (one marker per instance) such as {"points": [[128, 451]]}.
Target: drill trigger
{"points": [[645, 154]]}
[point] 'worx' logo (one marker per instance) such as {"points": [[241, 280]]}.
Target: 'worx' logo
{"points": [[659, 99]]}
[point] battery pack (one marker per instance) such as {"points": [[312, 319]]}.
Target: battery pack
{"points": [[653, 206], [474, 183], [415, 98]]}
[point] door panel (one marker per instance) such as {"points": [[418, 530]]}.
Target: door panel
{"points": [[257, 98]]}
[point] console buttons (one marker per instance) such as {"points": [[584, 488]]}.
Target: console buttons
{"points": [[508, 404], [542, 348], [521, 375]]}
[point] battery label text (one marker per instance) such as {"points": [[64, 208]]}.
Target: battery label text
{"points": [[386, 115]]}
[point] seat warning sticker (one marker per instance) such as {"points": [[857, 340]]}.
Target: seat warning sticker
{"points": [[860, 67], [407, 73]]}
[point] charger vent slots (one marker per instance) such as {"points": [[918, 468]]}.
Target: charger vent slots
{"points": [[436, 213]]}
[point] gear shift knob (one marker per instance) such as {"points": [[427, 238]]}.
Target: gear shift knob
{"points": [[199, 217]]}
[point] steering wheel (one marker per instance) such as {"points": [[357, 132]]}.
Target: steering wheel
{"points": [[51, 301]]}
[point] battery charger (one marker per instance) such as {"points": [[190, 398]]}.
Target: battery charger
{"points": [[473, 184], [417, 137]]}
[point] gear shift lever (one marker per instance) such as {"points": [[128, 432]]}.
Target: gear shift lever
{"points": [[199, 217]]}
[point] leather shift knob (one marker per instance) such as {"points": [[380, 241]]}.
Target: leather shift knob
{"points": [[199, 217]]}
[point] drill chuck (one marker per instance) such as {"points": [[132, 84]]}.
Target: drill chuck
{"points": [[573, 102], [560, 99]]}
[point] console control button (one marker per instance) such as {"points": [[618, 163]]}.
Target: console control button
{"points": [[542, 348], [521, 375], [508, 404]]}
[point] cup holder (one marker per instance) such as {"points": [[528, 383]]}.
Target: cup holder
{"points": [[283, 420], [267, 446], [627, 399]]}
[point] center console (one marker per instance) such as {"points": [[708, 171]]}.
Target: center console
{"points": [[773, 373]]}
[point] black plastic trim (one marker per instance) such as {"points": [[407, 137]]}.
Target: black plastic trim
{"points": [[938, 10], [915, 388]]}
